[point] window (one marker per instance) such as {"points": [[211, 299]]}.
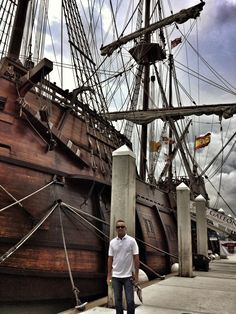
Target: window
{"points": [[2, 103], [149, 228]]}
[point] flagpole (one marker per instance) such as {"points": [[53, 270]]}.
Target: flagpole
{"points": [[194, 147], [194, 155]]}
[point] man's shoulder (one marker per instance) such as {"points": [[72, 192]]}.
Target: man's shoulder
{"points": [[113, 240], [132, 239]]}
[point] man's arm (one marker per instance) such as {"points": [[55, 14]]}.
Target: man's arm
{"points": [[136, 268], [109, 269]]}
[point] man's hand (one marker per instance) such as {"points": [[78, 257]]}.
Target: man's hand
{"points": [[136, 282], [136, 266], [109, 280], [109, 269]]}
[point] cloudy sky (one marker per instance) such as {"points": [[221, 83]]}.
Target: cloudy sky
{"points": [[215, 41], [217, 44]]}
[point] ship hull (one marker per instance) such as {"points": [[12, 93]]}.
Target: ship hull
{"points": [[63, 167], [38, 269]]}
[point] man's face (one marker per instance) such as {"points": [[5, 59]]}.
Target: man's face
{"points": [[120, 228]]}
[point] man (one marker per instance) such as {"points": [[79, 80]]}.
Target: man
{"points": [[123, 262]]}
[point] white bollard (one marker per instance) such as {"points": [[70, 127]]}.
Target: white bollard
{"points": [[123, 196], [184, 231], [175, 267], [142, 276], [123, 193], [201, 222]]}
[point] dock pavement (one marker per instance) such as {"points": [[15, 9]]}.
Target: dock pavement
{"points": [[212, 292]]}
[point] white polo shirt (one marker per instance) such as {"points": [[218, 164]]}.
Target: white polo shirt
{"points": [[122, 251]]}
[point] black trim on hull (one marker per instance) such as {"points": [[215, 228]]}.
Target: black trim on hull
{"points": [[15, 288]]}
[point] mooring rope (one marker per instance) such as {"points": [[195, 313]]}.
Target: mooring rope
{"points": [[28, 235], [77, 211], [8, 193], [74, 218], [151, 270], [74, 288], [24, 198], [155, 248], [74, 210]]}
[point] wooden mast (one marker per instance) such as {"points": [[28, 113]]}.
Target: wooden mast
{"points": [[17, 30], [140, 117], [180, 17], [170, 174], [143, 150]]}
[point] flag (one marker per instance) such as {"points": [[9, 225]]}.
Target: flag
{"points": [[167, 158], [175, 42], [154, 146], [167, 140], [202, 141]]}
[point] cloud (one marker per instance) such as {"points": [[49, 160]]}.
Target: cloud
{"points": [[216, 43], [226, 12]]}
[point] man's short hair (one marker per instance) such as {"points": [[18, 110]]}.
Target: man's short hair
{"points": [[120, 220]]}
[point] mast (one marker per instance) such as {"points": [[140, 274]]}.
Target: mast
{"points": [[143, 150], [180, 17], [148, 53], [17, 30], [170, 174], [140, 117]]}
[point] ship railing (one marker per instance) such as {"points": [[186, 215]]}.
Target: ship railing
{"points": [[64, 98]]}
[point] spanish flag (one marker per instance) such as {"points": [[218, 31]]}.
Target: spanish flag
{"points": [[202, 141], [167, 140], [154, 146], [175, 42]]}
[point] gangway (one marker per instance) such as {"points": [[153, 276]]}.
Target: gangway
{"points": [[218, 221]]}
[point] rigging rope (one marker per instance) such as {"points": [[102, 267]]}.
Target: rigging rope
{"points": [[74, 288], [8, 193], [31, 194], [77, 211], [106, 238], [28, 235], [214, 72]]}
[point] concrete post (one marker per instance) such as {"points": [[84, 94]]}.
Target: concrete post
{"points": [[202, 243], [123, 195], [184, 231]]}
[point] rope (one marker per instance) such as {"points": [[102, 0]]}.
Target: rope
{"points": [[8, 193], [74, 288], [27, 236], [84, 219], [77, 218], [150, 269], [75, 211], [24, 198], [159, 250]]}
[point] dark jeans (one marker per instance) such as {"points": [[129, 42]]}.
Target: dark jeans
{"points": [[118, 284]]}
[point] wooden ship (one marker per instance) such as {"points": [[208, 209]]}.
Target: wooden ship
{"points": [[55, 174], [55, 177]]}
